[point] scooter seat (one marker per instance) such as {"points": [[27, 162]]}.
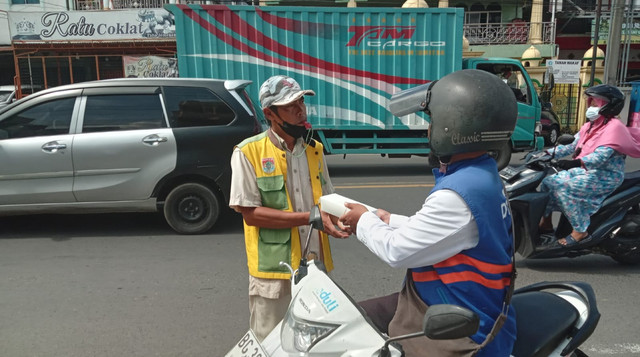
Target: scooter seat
{"points": [[543, 321], [630, 179]]}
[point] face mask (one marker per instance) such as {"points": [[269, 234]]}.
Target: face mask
{"points": [[593, 113], [296, 131]]}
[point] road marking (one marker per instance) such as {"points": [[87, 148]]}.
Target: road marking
{"points": [[616, 349], [389, 185]]}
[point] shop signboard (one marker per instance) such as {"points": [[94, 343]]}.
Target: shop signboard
{"points": [[144, 24], [630, 28], [150, 67]]}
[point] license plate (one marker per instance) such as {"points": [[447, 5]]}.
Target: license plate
{"points": [[248, 346]]}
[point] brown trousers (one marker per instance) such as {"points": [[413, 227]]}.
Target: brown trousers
{"points": [[403, 313]]}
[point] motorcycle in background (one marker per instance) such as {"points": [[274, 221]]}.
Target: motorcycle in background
{"points": [[552, 318], [615, 227], [549, 121]]}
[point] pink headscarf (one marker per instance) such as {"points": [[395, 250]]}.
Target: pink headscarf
{"points": [[614, 134]]}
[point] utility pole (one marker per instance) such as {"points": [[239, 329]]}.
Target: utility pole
{"points": [[596, 33], [612, 58]]}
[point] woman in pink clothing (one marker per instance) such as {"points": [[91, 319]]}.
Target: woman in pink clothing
{"points": [[596, 167]]}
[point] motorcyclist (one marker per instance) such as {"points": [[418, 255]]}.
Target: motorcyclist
{"points": [[458, 247], [596, 167]]}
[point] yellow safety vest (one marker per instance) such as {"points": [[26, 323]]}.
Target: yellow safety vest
{"points": [[266, 247]]}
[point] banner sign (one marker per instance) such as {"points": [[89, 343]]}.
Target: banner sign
{"points": [[631, 29], [141, 24], [565, 71], [150, 67]]}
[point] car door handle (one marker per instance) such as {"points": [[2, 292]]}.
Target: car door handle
{"points": [[154, 139], [53, 146]]}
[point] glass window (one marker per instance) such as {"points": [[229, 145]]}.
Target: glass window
{"points": [[477, 7], [110, 67], [464, 6], [49, 118], [478, 14], [192, 106], [495, 13], [123, 112], [57, 69], [24, 2], [513, 77], [31, 75], [84, 69], [4, 95]]}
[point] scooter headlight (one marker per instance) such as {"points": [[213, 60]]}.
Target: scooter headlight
{"points": [[298, 335]]}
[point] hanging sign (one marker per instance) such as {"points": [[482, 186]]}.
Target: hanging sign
{"points": [[150, 67], [565, 71]]}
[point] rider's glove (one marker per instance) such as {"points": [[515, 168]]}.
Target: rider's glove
{"points": [[569, 164]]}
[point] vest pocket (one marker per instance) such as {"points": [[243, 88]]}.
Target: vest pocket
{"points": [[273, 192], [273, 247]]}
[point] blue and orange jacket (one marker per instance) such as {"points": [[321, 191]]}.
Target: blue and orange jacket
{"points": [[476, 278]]}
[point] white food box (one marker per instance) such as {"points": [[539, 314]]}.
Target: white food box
{"points": [[334, 204]]}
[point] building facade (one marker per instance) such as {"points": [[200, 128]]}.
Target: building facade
{"points": [[46, 44], [54, 42]]}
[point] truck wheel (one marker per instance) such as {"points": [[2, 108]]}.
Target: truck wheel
{"points": [[191, 208], [502, 155]]}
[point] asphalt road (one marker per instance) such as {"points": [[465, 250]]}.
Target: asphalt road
{"points": [[126, 285]]}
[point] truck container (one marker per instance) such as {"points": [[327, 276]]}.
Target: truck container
{"points": [[354, 59]]}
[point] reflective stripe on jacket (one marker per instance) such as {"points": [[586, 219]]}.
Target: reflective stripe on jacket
{"points": [[476, 278]]}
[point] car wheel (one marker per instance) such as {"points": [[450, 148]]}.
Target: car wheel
{"points": [[502, 155], [191, 208], [553, 135]]}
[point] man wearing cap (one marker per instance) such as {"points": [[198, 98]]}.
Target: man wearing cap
{"points": [[278, 176]]}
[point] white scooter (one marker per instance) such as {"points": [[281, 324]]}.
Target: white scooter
{"points": [[323, 320]]}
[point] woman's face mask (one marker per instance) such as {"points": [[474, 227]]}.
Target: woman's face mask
{"points": [[593, 113]]}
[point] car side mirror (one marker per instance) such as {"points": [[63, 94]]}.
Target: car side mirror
{"points": [[566, 139]]}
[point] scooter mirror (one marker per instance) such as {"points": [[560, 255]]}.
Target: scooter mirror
{"points": [[448, 322], [315, 218], [442, 322], [565, 139]]}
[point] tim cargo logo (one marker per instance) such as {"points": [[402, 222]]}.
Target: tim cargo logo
{"points": [[388, 36]]}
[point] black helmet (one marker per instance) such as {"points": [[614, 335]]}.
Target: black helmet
{"points": [[612, 95], [471, 110]]}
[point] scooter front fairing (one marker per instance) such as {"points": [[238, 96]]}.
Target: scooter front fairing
{"points": [[323, 320]]}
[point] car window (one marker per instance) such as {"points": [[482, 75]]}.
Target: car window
{"points": [[512, 76], [4, 95], [123, 112], [48, 118], [192, 106]]}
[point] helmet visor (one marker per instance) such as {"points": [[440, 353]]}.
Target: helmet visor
{"points": [[595, 101], [411, 100]]}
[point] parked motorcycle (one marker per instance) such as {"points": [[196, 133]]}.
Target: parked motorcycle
{"points": [[615, 227], [553, 319], [550, 123]]}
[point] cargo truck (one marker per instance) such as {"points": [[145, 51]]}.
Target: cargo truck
{"points": [[354, 59]]}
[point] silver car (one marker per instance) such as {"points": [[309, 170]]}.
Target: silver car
{"points": [[125, 145], [7, 95]]}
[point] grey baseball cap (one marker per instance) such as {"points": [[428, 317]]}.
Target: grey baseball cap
{"points": [[281, 90]]}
